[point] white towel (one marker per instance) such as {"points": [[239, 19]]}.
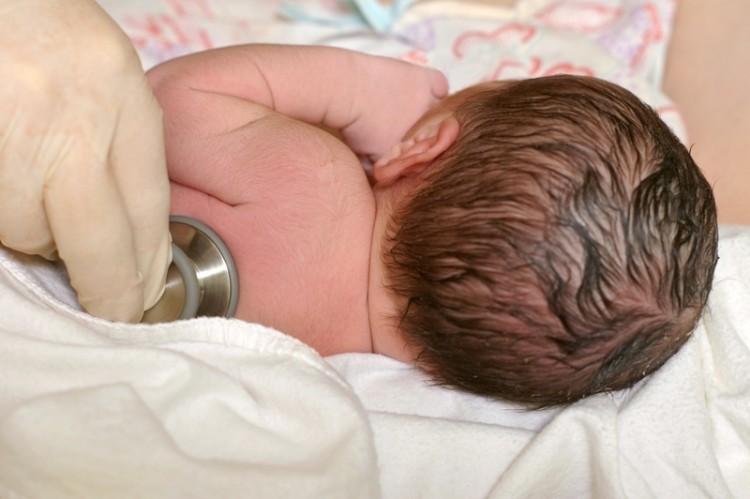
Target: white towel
{"points": [[682, 432], [201, 408]]}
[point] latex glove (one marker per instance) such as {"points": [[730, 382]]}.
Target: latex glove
{"points": [[82, 167]]}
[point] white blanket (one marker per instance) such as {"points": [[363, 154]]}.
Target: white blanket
{"points": [[220, 408], [202, 408], [682, 432]]}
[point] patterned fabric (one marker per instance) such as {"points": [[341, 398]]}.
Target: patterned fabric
{"points": [[623, 41]]}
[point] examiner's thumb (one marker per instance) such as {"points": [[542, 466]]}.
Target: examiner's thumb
{"points": [[155, 272]]}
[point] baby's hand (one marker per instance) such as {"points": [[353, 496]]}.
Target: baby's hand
{"points": [[392, 97]]}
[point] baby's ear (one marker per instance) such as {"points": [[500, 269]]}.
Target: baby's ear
{"points": [[411, 157]]}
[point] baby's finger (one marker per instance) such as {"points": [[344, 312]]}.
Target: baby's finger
{"points": [[439, 86]]}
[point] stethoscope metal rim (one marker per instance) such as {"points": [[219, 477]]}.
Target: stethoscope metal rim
{"points": [[205, 280], [189, 281]]}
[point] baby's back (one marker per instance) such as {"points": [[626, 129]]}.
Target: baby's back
{"points": [[297, 215]]}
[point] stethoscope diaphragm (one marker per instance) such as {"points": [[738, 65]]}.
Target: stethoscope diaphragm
{"points": [[202, 279]]}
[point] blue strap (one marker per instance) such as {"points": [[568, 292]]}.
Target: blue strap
{"points": [[359, 14]]}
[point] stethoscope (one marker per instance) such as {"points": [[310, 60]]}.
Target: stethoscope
{"points": [[202, 279]]}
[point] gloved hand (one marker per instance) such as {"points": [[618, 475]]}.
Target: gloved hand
{"points": [[82, 168]]}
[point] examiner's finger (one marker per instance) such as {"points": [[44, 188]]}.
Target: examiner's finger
{"points": [[23, 223], [94, 237], [139, 167], [24, 157]]}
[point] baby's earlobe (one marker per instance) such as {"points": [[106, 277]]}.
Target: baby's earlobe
{"points": [[412, 156], [394, 153]]}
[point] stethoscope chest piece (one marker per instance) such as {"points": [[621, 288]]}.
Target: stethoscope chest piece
{"points": [[202, 279]]}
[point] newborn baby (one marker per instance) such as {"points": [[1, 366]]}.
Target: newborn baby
{"points": [[537, 240]]}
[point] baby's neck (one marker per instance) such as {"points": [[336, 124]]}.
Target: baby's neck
{"points": [[323, 299], [383, 305]]}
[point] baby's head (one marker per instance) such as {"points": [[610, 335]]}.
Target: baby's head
{"points": [[563, 244]]}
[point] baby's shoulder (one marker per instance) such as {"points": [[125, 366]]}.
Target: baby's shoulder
{"points": [[305, 154]]}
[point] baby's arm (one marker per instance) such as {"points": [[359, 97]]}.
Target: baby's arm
{"points": [[372, 101]]}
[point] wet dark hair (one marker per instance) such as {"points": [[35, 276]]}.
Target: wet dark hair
{"points": [[563, 246]]}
